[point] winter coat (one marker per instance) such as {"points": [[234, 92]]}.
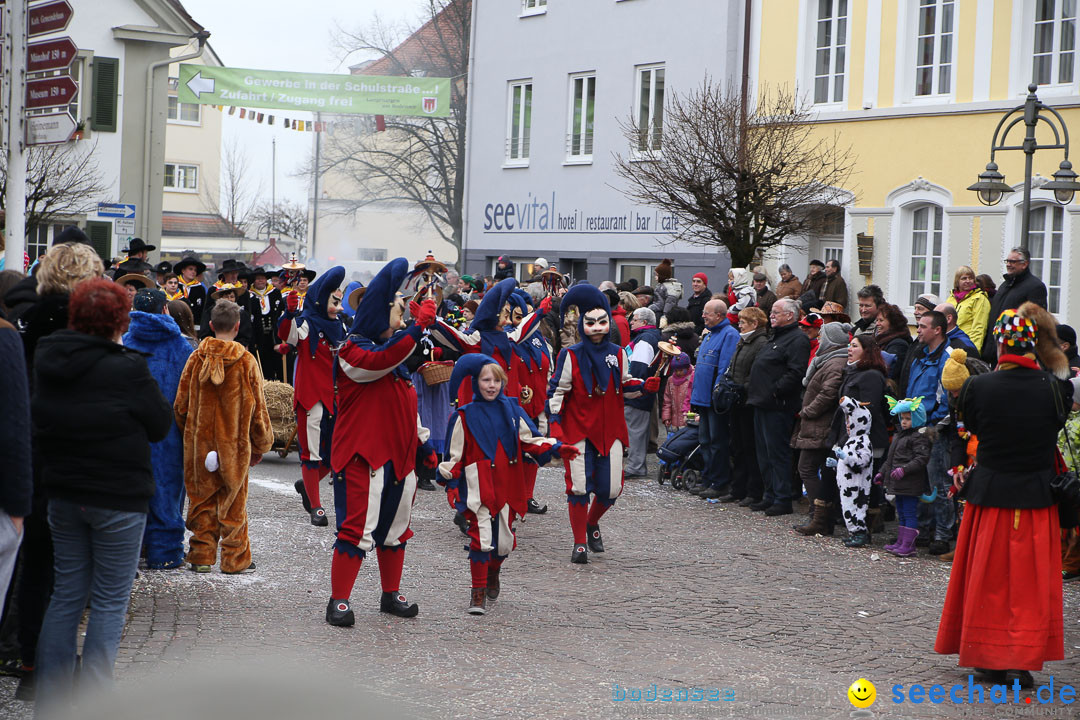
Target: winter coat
{"points": [[158, 336], [896, 343], [568, 334], [776, 376], [642, 351], [16, 482], [622, 324], [819, 404], [864, 386], [910, 449], [96, 409], [972, 314], [714, 354], [666, 295], [814, 284], [765, 300], [745, 354], [683, 335], [677, 400], [792, 288], [957, 337], [835, 290], [740, 299], [696, 305], [1011, 294], [924, 380], [1069, 441], [20, 298], [37, 320]]}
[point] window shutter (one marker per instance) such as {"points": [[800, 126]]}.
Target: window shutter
{"points": [[103, 108], [101, 239]]}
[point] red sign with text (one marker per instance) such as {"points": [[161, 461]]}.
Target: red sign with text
{"points": [[50, 92], [48, 18], [50, 55]]}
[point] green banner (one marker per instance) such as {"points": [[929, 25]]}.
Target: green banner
{"points": [[361, 94]]}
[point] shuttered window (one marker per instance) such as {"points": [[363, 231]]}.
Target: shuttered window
{"points": [[101, 239], [105, 101]]}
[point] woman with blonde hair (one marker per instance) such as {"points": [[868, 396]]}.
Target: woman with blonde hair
{"points": [[972, 305]]}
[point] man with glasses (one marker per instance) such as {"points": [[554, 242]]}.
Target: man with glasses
{"points": [[1020, 286], [714, 356]]}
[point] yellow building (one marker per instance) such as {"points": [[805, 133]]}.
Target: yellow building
{"points": [[916, 88]]}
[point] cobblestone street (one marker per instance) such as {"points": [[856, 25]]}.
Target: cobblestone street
{"points": [[687, 594]]}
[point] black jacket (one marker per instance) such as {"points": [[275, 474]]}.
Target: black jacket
{"points": [[16, 482], [696, 304], [45, 316], [865, 386], [1016, 414], [1011, 294], [745, 353], [776, 376], [264, 327], [910, 450], [96, 409], [683, 335]]}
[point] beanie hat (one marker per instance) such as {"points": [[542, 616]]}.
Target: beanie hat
{"points": [[472, 306], [1015, 331], [833, 336], [149, 301], [1067, 334], [683, 360], [928, 301], [955, 371], [702, 277], [663, 270], [908, 405]]}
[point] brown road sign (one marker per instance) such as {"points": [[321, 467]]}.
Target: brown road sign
{"points": [[48, 18], [50, 92], [55, 54]]}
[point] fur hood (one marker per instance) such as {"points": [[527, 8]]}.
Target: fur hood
{"points": [[1047, 344], [216, 356]]}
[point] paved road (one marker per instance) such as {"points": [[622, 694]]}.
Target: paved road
{"points": [[688, 595]]}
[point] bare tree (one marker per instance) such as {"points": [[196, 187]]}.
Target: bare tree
{"points": [[61, 180], [417, 162], [233, 196], [285, 218], [745, 179]]}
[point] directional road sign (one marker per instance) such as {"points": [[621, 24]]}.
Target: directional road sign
{"points": [[55, 54], [124, 227], [50, 92], [116, 210], [49, 129], [48, 18]]}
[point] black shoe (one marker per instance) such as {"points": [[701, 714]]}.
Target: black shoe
{"points": [[299, 485], [580, 555], [536, 508], [1066, 576], [778, 509], [748, 502], [923, 540], [710, 493], [938, 547], [425, 484], [857, 540], [731, 498], [396, 604], [761, 505], [318, 517], [26, 689], [462, 523], [596, 542], [339, 613], [1026, 680], [997, 677]]}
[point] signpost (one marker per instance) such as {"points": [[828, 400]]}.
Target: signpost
{"points": [[54, 54], [116, 210], [50, 92], [124, 227], [357, 94], [49, 129], [48, 18]]}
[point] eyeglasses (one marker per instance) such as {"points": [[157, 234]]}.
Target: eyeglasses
{"points": [[1014, 262]]}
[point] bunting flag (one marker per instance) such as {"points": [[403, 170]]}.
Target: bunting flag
{"points": [[300, 125], [357, 124], [270, 120], [232, 110], [243, 113], [260, 117], [380, 123], [286, 123]]}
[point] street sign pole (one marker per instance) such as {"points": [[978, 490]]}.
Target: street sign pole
{"points": [[15, 199]]}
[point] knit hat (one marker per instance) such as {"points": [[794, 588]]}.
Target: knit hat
{"points": [[928, 301], [663, 270], [682, 360], [702, 277], [472, 306], [1066, 333], [1015, 331], [812, 320], [833, 336], [955, 371]]}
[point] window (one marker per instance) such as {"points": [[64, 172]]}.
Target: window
{"points": [[934, 48], [830, 59], [650, 108], [926, 230], [638, 270], [182, 177], [1046, 237], [834, 252], [183, 112], [520, 123], [371, 254], [1055, 42], [582, 107], [75, 72], [533, 7]]}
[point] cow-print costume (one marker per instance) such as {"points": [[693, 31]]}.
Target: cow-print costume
{"points": [[854, 464]]}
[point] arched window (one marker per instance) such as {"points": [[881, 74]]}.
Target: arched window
{"points": [[1046, 242], [924, 275]]}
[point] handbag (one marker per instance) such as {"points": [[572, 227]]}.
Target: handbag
{"points": [[727, 394]]}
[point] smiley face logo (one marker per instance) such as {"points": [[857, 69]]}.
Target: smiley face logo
{"points": [[862, 693]]}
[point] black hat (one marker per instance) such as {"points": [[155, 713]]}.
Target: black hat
{"points": [[245, 272], [230, 265], [309, 274], [163, 268], [1066, 333], [258, 270], [71, 234], [200, 268], [149, 301], [134, 265], [137, 245]]}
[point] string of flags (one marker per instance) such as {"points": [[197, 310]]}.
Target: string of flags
{"points": [[328, 126]]}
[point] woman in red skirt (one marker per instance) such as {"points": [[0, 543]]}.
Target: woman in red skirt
{"points": [[1003, 608]]}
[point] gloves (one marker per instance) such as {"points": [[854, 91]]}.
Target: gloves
{"points": [[436, 353], [545, 305], [897, 473], [830, 462], [292, 301], [652, 384], [568, 452], [878, 479], [452, 497], [282, 348], [841, 454], [423, 313], [431, 461]]}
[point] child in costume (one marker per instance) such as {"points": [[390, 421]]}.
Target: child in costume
{"points": [[853, 462], [489, 438], [904, 471], [376, 445], [222, 413], [585, 409], [315, 333], [677, 393], [535, 372]]}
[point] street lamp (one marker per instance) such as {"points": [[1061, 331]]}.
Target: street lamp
{"points": [[992, 186]]}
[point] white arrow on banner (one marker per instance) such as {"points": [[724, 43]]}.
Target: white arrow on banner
{"points": [[199, 85]]}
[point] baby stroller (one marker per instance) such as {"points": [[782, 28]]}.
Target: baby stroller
{"points": [[680, 458]]}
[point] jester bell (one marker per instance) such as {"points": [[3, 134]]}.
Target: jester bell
{"points": [[430, 104]]}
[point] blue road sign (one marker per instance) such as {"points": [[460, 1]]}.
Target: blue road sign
{"points": [[116, 210]]}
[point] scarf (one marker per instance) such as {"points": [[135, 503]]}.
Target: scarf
{"points": [[676, 380], [178, 295], [318, 321], [961, 294], [185, 286], [820, 359], [493, 423], [1009, 361], [598, 363], [263, 295]]}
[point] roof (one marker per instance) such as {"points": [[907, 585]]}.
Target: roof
{"points": [[424, 48], [270, 257], [183, 224]]}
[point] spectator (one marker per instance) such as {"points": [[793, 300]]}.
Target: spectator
{"points": [[644, 295], [503, 269], [154, 333], [774, 390], [16, 484], [815, 280], [677, 393], [714, 355], [746, 484], [619, 322], [987, 285], [696, 302], [811, 327], [1020, 286], [180, 312], [765, 296], [972, 305], [740, 293], [835, 288], [668, 290], [644, 337], [923, 304], [957, 338], [621, 313], [680, 330], [8, 280], [871, 301], [789, 285], [96, 511], [893, 337], [1067, 335]]}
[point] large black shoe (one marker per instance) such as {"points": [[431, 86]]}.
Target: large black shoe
{"points": [[748, 502], [27, 688], [596, 541], [778, 509], [425, 484], [938, 547], [299, 485], [462, 523], [1026, 680], [318, 517], [857, 540], [711, 493], [997, 677], [580, 555], [761, 505], [731, 498], [396, 604], [536, 508], [339, 613]]}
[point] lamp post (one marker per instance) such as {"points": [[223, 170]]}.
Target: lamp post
{"points": [[992, 186]]}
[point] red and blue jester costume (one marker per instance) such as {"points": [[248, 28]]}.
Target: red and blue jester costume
{"points": [[315, 335], [376, 445], [488, 440], [585, 408], [535, 373]]}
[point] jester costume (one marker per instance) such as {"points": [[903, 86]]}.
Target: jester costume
{"points": [[534, 374]]}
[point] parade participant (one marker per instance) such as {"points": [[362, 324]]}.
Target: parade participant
{"points": [[297, 285], [266, 306], [162, 271], [137, 249], [585, 409], [190, 270], [315, 333], [230, 293], [228, 275], [171, 287], [132, 282], [535, 372], [489, 438], [376, 446]]}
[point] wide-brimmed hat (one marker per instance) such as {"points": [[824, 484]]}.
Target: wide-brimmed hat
{"points": [[163, 268], [137, 245], [309, 274], [134, 265], [355, 297], [135, 278], [832, 310], [231, 265], [259, 270], [200, 267], [234, 288]]}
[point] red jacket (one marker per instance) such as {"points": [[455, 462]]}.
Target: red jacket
{"points": [[619, 314]]}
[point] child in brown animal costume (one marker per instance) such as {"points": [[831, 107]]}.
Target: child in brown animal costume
{"points": [[222, 413]]}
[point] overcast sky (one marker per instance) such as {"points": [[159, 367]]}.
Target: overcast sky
{"points": [[286, 35]]}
